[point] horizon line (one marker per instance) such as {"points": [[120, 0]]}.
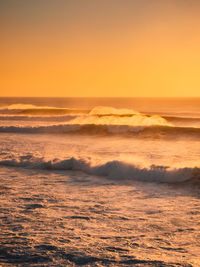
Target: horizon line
{"points": [[99, 96]]}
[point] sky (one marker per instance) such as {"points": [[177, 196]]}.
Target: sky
{"points": [[100, 48]]}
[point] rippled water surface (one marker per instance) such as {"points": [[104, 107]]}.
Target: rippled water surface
{"points": [[99, 182], [70, 218]]}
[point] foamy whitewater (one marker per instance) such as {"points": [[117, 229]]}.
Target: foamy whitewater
{"points": [[99, 182]]}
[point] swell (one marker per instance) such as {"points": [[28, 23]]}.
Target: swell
{"points": [[43, 111], [24, 112], [29, 109], [94, 129], [116, 170], [40, 113], [99, 120], [22, 118], [181, 119]]}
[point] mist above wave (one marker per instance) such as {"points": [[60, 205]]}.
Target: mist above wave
{"points": [[73, 121], [134, 120], [101, 110], [99, 120], [99, 115], [29, 109], [112, 114]]}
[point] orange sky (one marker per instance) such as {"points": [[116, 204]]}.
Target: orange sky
{"points": [[114, 48]]}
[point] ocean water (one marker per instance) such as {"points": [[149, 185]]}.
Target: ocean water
{"points": [[99, 182]]}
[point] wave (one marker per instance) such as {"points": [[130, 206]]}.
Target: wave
{"points": [[101, 110], [22, 118], [28, 109], [99, 120], [24, 106], [92, 129], [116, 170], [136, 119], [23, 110], [181, 119]]}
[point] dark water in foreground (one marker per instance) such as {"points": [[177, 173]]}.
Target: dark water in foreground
{"points": [[66, 218]]}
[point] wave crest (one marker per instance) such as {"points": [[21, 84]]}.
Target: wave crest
{"points": [[24, 106], [29, 109], [134, 120], [101, 110], [116, 170], [98, 115]]}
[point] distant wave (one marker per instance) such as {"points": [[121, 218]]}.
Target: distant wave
{"points": [[181, 119], [32, 110], [108, 111], [23, 110], [24, 106], [26, 109], [99, 120], [116, 170]]}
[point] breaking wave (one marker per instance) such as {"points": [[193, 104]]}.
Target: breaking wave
{"points": [[99, 120], [23, 110], [107, 111], [28, 109], [116, 170], [133, 120]]}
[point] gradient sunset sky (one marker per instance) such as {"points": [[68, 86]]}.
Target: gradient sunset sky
{"points": [[100, 48]]}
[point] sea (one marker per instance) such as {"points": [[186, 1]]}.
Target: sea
{"points": [[100, 182]]}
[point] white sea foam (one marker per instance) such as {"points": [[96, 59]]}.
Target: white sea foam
{"points": [[25, 106], [98, 115], [133, 120], [33, 110], [101, 110]]}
